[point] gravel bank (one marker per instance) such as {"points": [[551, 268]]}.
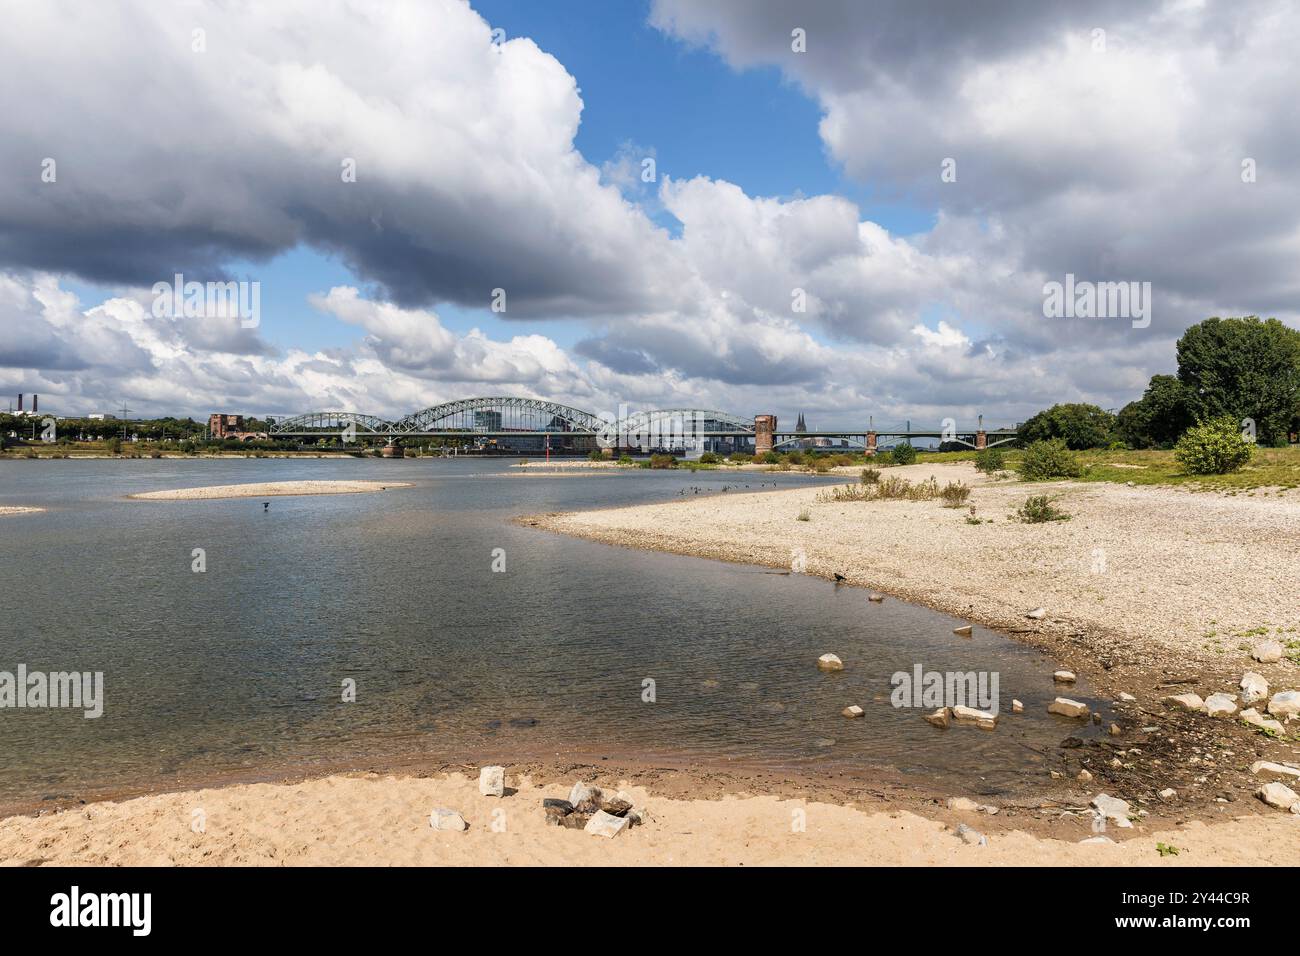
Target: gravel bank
{"points": [[1142, 574]]}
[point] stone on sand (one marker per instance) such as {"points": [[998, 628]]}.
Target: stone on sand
{"points": [[1067, 708], [853, 710], [1256, 719], [963, 631], [1113, 809], [1267, 652], [1278, 795], [1017, 707], [1064, 677], [1253, 687], [605, 824], [1285, 704], [939, 718], [1037, 614], [1189, 702], [492, 781], [970, 836], [1220, 705], [444, 819], [1282, 770]]}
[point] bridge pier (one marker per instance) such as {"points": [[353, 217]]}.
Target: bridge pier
{"points": [[981, 439], [764, 427], [871, 444]]}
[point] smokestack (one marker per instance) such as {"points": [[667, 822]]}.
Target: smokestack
{"points": [[35, 400], [20, 401]]}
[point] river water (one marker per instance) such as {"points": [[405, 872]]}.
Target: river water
{"points": [[242, 667]]}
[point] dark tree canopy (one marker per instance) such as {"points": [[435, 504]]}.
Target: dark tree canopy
{"points": [[1079, 426], [1243, 368], [1157, 419]]}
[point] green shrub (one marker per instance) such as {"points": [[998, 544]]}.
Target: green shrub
{"points": [[1049, 459], [893, 488], [904, 454], [663, 461], [794, 458], [740, 458], [846, 493], [884, 458], [595, 455], [1213, 448], [954, 494], [625, 459], [989, 460], [870, 476], [1039, 508], [804, 515], [709, 458], [770, 458]]}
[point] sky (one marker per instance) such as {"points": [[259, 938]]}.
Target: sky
{"points": [[839, 208]]}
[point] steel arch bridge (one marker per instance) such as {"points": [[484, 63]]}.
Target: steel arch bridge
{"points": [[513, 415]]}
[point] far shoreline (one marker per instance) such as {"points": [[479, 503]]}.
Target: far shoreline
{"points": [[269, 489]]}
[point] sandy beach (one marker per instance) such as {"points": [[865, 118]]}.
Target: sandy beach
{"points": [[271, 489], [9, 510], [373, 819]]}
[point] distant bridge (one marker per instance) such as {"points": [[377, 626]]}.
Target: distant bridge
{"points": [[532, 418]]}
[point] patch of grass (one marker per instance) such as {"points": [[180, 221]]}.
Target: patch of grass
{"points": [[1038, 509], [954, 494], [804, 515], [870, 476], [1165, 849]]}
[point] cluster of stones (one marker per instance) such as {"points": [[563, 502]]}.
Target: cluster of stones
{"points": [[591, 809]]}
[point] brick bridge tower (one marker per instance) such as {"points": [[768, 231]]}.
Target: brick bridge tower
{"points": [[764, 427]]}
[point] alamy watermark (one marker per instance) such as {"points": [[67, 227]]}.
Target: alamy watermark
{"points": [[1073, 299], [77, 690], [934, 689], [208, 300]]}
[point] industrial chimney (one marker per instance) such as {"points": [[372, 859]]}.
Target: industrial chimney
{"points": [[35, 400], [20, 401]]}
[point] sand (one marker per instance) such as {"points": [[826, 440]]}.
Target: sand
{"points": [[7, 510], [1161, 575], [271, 489], [371, 819]]}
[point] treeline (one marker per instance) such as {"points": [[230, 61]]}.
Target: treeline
{"points": [[1234, 368]]}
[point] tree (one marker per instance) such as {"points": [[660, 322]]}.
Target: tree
{"points": [[1214, 448], [1156, 419], [1243, 368], [1079, 426]]}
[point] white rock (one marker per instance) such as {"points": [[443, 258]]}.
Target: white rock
{"points": [[1113, 809], [969, 715], [1220, 705], [1098, 839], [1285, 771], [581, 792], [1126, 697], [876, 597], [1064, 677], [1085, 776], [444, 819], [605, 824], [1267, 652], [1017, 707], [963, 631], [853, 710], [1277, 795], [970, 836], [1253, 687], [829, 662], [962, 804], [492, 781], [939, 718], [1190, 702], [1037, 613], [1256, 719], [1067, 708], [1168, 793], [1285, 704]]}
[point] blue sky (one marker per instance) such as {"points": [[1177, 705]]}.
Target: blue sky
{"points": [[639, 87]]}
